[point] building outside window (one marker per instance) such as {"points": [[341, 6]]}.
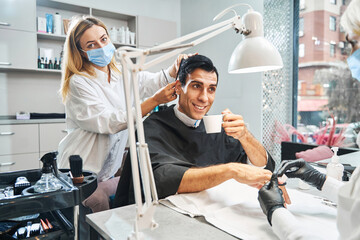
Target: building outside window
{"points": [[302, 4], [301, 27], [332, 23], [326, 90], [301, 50], [333, 2], [332, 50]]}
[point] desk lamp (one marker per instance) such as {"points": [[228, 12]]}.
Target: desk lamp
{"points": [[253, 54]]}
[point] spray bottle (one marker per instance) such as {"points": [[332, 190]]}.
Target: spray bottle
{"points": [[335, 169], [48, 181]]}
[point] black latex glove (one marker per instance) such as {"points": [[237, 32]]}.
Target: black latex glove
{"points": [[270, 197], [301, 169]]}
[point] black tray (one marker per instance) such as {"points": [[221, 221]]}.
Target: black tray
{"points": [[22, 205]]}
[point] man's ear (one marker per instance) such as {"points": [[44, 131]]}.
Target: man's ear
{"points": [[178, 87]]}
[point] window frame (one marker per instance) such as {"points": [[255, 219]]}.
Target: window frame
{"points": [[302, 47], [301, 26], [334, 23]]}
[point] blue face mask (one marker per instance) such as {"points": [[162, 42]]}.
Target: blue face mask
{"points": [[354, 64], [101, 56]]}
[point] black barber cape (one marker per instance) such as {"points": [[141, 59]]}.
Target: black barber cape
{"points": [[175, 147]]}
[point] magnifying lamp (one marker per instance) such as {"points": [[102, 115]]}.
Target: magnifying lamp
{"points": [[253, 54]]}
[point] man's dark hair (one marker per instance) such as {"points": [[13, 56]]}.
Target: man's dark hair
{"points": [[189, 65]]}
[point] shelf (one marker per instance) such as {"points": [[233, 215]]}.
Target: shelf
{"points": [[114, 15], [48, 70], [117, 44], [63, 6], [51, 36], [9, 69]]}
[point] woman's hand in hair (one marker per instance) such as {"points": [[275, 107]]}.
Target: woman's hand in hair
{"points": [[175, 67], [165, 94]]}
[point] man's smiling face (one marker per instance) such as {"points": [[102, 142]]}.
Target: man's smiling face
{"points": [[198, 94]]}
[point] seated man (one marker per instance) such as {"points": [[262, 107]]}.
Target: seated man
{"points": [[184, 158]]}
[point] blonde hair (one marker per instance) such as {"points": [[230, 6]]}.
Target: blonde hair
{"points": [[73, 61], [350, 19]]}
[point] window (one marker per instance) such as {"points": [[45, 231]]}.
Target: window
{"points": [[333, 2], [332, 50], [325, 85], [332, 24], [301, 27], [302, 4], [301, 50]]}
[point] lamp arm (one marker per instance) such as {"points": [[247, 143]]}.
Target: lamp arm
{"points": [[211, 31], [223, 12], [193, 34], [177, 46]]}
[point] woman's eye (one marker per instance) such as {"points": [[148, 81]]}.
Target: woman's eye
{"points": [[196, 86], [90, 45], [104, 39]]}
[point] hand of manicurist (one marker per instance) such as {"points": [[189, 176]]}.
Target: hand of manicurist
{"points": [[270, 197], [301, 169], [175, 67], [233, 124], [165, 94]]}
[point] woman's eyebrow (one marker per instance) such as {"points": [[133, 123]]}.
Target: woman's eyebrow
{"points": [[91, 41]]}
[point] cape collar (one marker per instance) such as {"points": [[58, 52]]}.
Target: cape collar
{"points": [[185, 119]]}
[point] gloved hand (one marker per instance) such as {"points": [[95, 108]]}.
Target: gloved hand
{"points": [[270, 197], [301, 169]]}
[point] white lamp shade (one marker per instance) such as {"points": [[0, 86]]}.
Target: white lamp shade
{"points": [[254, 54]]}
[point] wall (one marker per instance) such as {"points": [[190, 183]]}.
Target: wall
{"points": [[37, 92], [162, 9], [241, 93]]}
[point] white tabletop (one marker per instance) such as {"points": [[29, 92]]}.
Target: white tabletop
{"points": [[118, 224]]}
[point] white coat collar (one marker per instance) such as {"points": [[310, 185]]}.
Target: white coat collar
{"points": [[185, 119]]}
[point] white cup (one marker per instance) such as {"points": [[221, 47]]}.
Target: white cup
{"points": [[213, 123]]}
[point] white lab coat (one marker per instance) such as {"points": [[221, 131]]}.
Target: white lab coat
{"points": [[347, 196], [96, 119]]}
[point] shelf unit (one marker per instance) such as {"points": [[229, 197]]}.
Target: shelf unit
{"points": [[22, 41], [67, 11]]}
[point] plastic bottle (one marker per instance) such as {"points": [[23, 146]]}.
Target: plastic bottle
{"points": [[122, 34], [127, 36], [113, 34], [50, 66], [57, 24], [48, 181], [335, 169], [42, 63], [39, 62]]}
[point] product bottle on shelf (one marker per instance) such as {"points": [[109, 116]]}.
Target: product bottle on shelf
{"points": [[46, 63], [57, 24], [122, 34], [113, 34], [127, 36], [39, 62], [59, 67], [50, 66], [42, 63], [55, 64]]}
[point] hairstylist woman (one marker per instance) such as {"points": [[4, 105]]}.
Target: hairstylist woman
{"points": [[347, 195], [93, 94]]}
